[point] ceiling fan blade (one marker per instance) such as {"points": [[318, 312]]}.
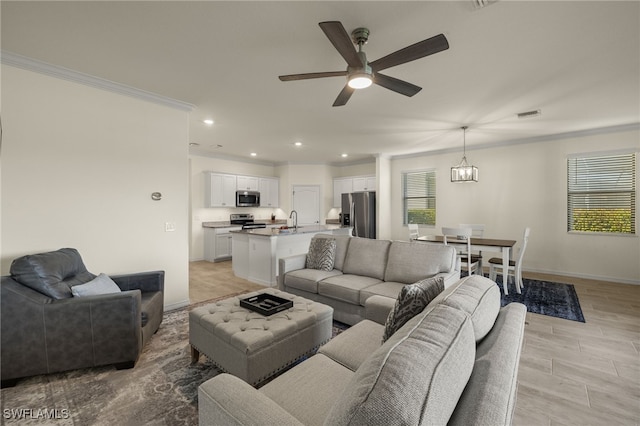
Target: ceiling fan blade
{"points": [[411, 53], [344, 96], [396, 85], [340, 39], [293, 77]]}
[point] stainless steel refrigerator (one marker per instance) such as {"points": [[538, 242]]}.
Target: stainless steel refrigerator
{"points": [[359, 211]]}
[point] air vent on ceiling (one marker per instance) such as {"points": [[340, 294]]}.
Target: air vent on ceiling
{"points": [[482, 3], [529, 114]]}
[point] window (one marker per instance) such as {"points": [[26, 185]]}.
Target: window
{"points": [[419, 197], [601, 193]]}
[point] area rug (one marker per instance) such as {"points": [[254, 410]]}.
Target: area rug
{"points": [[546, 298], [162, 389]]}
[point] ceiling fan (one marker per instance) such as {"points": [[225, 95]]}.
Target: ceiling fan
{"points": [[360, 73]]}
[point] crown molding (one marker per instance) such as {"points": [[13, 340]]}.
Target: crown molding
{"points": [[543, 138], [30, 64]]}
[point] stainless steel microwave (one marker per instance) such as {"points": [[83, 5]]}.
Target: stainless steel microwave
{"points": [[247, 199]]}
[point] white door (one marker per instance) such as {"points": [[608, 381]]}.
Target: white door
{"points": [[306, 202]]}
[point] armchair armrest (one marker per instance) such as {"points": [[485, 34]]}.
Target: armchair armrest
{"points": [[227, 400], [288, 264], [93, 330], [143, 281], [377, 308]]}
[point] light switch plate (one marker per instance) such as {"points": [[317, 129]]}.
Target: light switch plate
{"points": [[169, 226]]}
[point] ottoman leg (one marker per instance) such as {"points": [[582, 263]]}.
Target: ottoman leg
{"points": [[195, 355]]}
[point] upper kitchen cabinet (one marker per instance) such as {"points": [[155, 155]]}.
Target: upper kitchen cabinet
{"points": [[269, 192], [248, 183], [351, 184], [364, 183], [341, 186], [220, 190]]}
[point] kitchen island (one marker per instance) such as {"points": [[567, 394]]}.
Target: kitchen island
{"points": [[256, 252]]}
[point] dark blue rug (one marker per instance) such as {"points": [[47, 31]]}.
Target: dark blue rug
{"points": [[546, 298]]}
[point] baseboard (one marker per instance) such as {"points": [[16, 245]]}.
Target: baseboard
{"points": [[177, 305], [584, 276]]}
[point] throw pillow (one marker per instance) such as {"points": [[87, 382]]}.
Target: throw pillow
{"points": [[411, 301], [102, 284], [322, 254]]}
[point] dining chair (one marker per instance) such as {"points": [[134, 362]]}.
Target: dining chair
{"points": [[515, 266], [413, 231], [463, 234], [477, 231]]}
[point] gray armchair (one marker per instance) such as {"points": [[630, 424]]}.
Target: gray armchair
{"points": [[46, 329]]}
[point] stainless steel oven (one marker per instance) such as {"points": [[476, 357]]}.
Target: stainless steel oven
{"points": [[247, 199]]}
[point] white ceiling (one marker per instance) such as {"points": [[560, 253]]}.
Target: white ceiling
{"points": [[576, 61]]}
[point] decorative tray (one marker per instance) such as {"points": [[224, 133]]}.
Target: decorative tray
{"points": [[266, 304]]}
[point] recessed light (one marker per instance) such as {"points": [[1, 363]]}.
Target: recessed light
{"points": [[208, 122], [298, 143], [253, 154], [344, 155]]}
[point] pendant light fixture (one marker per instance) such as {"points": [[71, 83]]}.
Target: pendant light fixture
{"points": [[463, 172]]}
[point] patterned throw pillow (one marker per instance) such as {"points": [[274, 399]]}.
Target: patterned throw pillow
{"points": [[411, 301], [322, 254]]}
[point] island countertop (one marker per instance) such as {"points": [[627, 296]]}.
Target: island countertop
{"points": [[274, 232], [227, 224]]}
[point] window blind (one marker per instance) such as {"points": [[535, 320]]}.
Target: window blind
{"points": [[601, 194], [419, 197]]}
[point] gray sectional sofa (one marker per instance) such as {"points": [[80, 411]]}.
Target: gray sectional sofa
{"points": [[363, 268], [455, 362]]}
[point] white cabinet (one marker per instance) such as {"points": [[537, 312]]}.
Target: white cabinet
{"points": [[248, 183], [269, 192], [364, 183], [217, 243], [220, 190], [341, 186]]}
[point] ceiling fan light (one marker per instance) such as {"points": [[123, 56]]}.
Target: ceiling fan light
{"points": [[360, 81]]}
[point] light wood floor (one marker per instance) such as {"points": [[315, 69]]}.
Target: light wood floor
{"points": [[570, 373]]}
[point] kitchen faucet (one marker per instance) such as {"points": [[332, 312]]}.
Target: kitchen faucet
{"points": [[295, 221]]}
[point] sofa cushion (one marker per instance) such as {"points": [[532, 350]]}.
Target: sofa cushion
{"points": [[386, 289], [309, 390], [321, 254], [354, 345], [52, 273], [101, 284], [416, 377], [479, 297], [307, 279], [412, 300], [345, 287], [411, 262], [367, 257]]}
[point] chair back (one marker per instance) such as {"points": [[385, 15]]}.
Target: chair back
{"points": [[525, 239], [413, 231], [477, 229], [460, 234]]}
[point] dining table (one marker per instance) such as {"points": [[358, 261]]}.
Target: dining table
{"points": [[481, 244]]}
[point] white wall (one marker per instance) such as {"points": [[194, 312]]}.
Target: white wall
{"points": [[525, 185], [79, 165]]}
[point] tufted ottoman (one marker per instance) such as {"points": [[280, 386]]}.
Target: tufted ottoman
{"points": [[254, 347]]}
